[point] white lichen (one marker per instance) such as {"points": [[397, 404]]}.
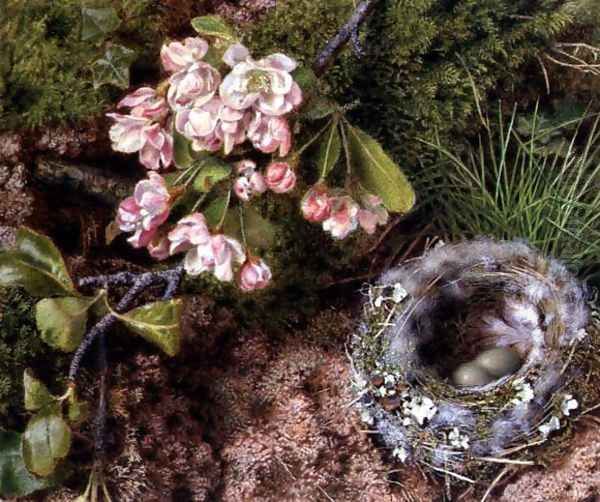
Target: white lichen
{"points": [[568, 404], [550, 426], [524, 392]]}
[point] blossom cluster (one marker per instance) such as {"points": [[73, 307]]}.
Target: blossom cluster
{"points": [[216, 107], [212, 111], [340, 214], [148, 208]]}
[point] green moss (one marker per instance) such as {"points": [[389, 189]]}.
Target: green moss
{"points": [[45, 72], [422, 54], [419, 55], [21, 347]]}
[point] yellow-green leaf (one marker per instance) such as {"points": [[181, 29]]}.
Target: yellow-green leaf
{"points": [[213, 170], [15, 479], [46, 441], [214, 26], [158, 323], [182, 150], [78, 411], [378, 173], [330, 149], [62, 321], [37, 394], [216, 211], [36, 265]]}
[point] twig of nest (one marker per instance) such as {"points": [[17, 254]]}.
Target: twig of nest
{"points": [[475, 354]]}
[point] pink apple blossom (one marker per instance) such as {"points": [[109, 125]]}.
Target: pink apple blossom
{"points": [[177, 56], [254, 274], [372, 213], [145, 103], [245, 167], [241, 187], [131, 134], [218, 257], [266, 83], [212, 125], [193, 86], [268, 134], [280, 177], [343, 219], [145, 211], [158, 247], [316, 204], [190, 231]]}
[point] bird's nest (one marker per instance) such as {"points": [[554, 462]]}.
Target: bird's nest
{"points": [[424, 384]]}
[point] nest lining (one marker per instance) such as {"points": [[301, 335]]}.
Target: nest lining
{"points": [[424, 319]]}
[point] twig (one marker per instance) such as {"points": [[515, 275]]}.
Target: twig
{"points": [[327, 55], [140, 282]]}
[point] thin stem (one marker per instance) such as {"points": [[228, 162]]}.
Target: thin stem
{"points": [[327, 55]]}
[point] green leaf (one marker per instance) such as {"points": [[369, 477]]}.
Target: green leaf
{"points": [[182, 151], [216, 211], [330, 149], [158, 323], [46, 441], [317, 108], [214, 26], [259, 232], [62, 321], [35, 264], [213, 171], [15, 479], [113, 68], [378, 173], [78, 411], [306, 79], [97, 23], [37, 394]]}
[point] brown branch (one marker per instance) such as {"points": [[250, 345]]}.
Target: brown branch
{"points": [[335, 45]]}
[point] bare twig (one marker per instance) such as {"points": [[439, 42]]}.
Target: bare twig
{"points": [[327, 55]]}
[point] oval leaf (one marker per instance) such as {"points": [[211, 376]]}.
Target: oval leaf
{"points": [[46, 441], [182, 151], [378, 173], [97, 23], [62, 321], [259, 232], [317, 108], [15, 479], [216, 211], [214, 26], [36, 265], [213, 171], [306, 79], [37, 394], [330, 149], [158, 323]]}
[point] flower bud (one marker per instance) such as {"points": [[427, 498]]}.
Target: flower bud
{"points": [[254, 274], [316, 205], [280, 178]]}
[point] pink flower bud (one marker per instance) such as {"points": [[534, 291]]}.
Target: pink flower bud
{"points": [[257, 183], [343, 219], [242, 188], [316, 205], [280, 178], [372, 213], [254, 274], [245, 167], [268, 134]]}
